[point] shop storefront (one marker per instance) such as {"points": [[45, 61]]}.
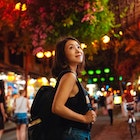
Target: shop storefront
{"points": [[14, 82]]}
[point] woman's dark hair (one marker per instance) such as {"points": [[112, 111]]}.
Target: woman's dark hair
{"points": [[21, 91], [60, 60]]}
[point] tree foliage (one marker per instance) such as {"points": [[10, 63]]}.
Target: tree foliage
{"points": [[45, 21]]}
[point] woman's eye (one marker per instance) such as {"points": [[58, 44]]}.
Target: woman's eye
{"points": [[71, 47], [75, 46], [78, 47]]}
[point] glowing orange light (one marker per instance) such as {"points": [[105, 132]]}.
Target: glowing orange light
{"points": [[83, 46], [120, 32], [20, 6], [43, 81], [117, 100], [40, 55], [53, 53], [48, 54], [10, 76], [24, 7], [106, 39]]}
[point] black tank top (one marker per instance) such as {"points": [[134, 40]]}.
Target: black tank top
{"points": [[79, 105]]}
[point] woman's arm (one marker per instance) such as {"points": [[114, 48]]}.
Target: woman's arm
{"points": [[64, 91], [28, 105]]}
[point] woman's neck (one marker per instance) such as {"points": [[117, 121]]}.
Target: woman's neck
{"points": [[74, 69]]}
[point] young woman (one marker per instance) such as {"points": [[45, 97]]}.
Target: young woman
{"points": [[21, 106], [70, 100]]}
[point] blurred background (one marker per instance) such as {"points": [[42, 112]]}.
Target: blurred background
{"points": [[109, 32]]}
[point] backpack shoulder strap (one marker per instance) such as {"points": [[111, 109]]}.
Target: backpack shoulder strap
{"points": [[87, 98]]}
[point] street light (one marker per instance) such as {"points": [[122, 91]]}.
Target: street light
{"points": [[40, 55], [46, 59], [46, 54]]}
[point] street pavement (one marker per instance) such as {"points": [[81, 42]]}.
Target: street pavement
{"points": [[101, 129], [10, 131]]}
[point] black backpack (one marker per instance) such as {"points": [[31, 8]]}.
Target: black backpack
{"points": [[45, 125]]}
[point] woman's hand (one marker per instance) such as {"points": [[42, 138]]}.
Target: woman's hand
{"points": [[90, 116]]}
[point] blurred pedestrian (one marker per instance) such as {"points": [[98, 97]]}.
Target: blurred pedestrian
{"points": [[3, 114], [110, 104], [94, 104], [130, 103], [21, 108], [70, 98], [102, 104]]}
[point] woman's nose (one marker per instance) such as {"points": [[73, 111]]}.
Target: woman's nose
{"points": [[78, 50]]}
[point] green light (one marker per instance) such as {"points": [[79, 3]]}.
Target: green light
{"points": [[95, 79], [83, 72], [90, 72], [102, 79], [111, 78], [98, 71], [120, 78], [80, 80], [89, 81], [106, 70]]}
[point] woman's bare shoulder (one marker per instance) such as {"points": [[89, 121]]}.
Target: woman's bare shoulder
{"points": [[69, 76]]}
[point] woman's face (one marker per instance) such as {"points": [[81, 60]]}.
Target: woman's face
{"points": [[73, 52]]}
